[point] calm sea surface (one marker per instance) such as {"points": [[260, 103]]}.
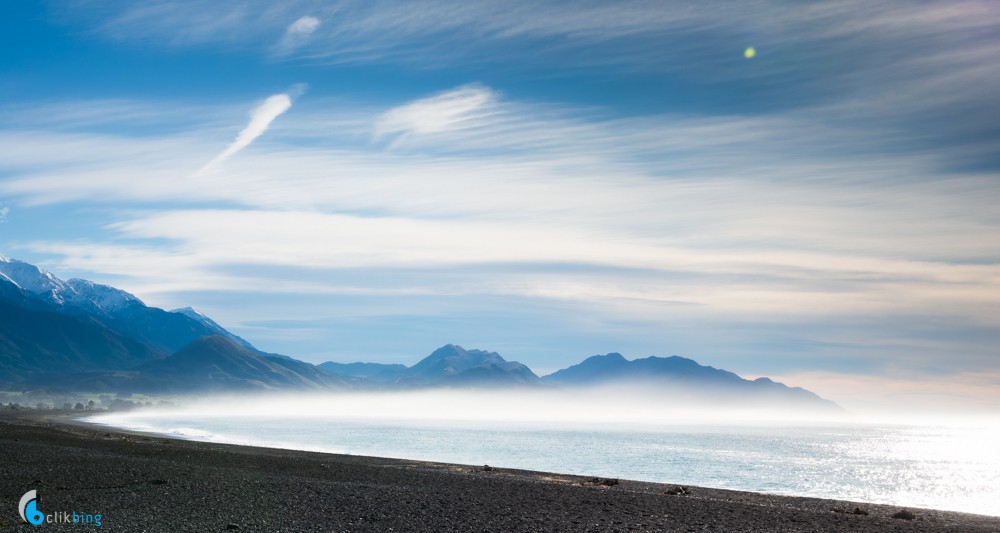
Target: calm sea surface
{"points": [[950, 468]]}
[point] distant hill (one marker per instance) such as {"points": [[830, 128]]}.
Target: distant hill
{"points": [[209, 364], [375, 372], [448, 366], [450, 360], [217, 363], [492, 375], [682, 378], [213, 327], [454, 366], [35, 341], [614, 367]]}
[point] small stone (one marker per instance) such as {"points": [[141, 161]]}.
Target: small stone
{"points": [[904, 515]]}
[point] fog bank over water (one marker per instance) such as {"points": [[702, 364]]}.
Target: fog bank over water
{"points": [[908, 460], [940, 396], [581, 407]]}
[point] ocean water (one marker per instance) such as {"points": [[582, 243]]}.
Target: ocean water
{"points": [[949, 467]]}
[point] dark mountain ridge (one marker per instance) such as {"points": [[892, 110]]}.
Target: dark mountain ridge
{"points": [[216, 363], [615, 367], [448, 366], [374, 372], [36, 341], [680, 377]]}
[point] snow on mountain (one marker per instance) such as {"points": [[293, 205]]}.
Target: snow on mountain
{"points": [[100, 297], [196, 314], [4, 277], [79, 293], [35, 280]]}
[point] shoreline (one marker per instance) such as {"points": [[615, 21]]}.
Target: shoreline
{"points": [[139, 480], [85, 421]]}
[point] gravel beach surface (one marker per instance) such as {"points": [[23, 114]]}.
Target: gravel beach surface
{"points": [[140, 482]]}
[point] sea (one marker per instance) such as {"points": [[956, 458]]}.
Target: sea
{"points": [[941, 466]]}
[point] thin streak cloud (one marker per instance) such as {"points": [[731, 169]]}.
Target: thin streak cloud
{"points": [[260, 119]]}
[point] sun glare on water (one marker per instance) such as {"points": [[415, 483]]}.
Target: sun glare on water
{"points": [[931, 463]]}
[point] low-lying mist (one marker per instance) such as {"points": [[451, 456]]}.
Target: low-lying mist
{"points": [[581, 407], [660, 436]]}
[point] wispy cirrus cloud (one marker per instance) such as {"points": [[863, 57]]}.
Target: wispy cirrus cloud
{"points": [[625, 173], [261, 118], [895, 64], [297, 34], [903, 249], [457, 109], [392, 30]]}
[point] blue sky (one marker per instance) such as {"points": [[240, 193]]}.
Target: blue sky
{"points": [[551, 180]]}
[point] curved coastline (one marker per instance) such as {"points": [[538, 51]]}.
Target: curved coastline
{"points": [[143, 481]]}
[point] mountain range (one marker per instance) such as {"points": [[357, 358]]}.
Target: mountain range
{"points": [[80, 335], [448, 366], [680, 377]]}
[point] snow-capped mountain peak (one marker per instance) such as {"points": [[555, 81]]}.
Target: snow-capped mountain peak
{"points": [[35, 280], [121, 311], [108, 299], [79, 293]]}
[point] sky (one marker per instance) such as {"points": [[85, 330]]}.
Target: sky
{"points": [[368, 181]]}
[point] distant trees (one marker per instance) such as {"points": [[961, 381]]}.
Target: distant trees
{"points": [[122, 405], [41, 403]]}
